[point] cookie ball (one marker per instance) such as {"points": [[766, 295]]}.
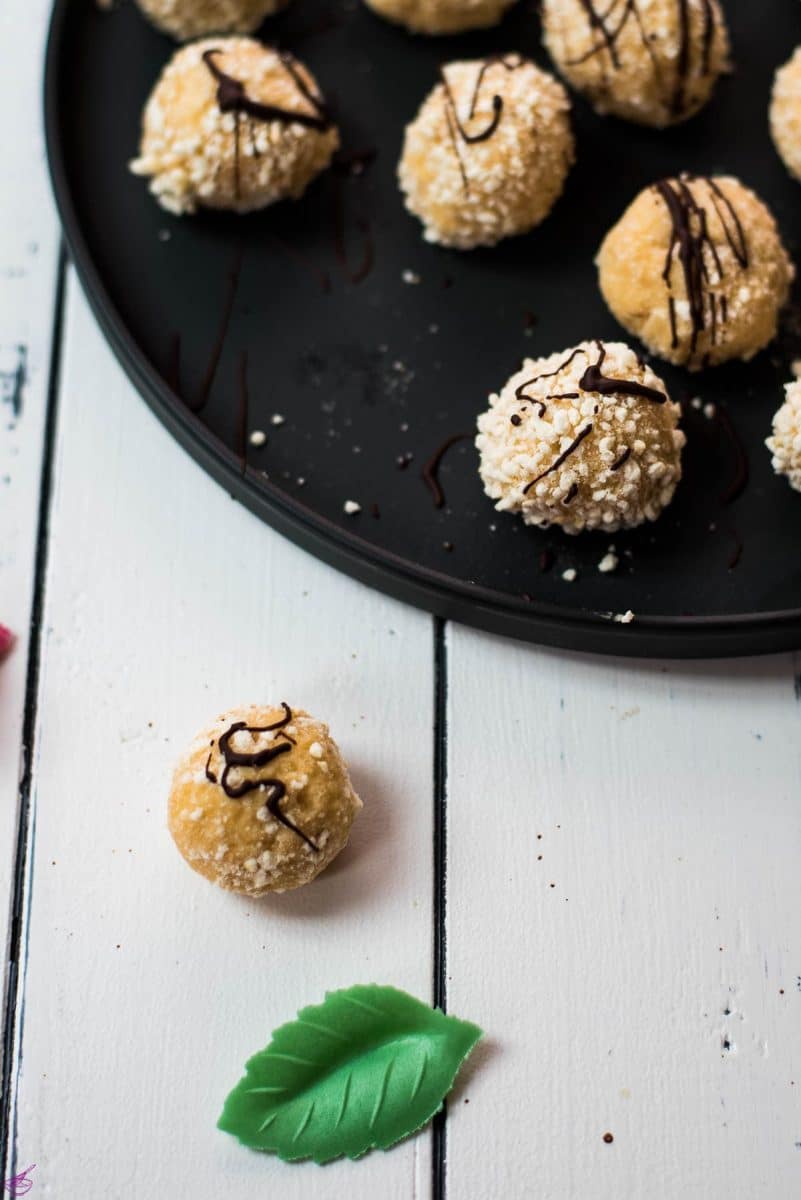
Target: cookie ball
{"points": [[785, 114], [487, 155], [185, 19], [262, 801], [441, 16], [696, 268], [655, 62], [785, 444], [585, 439], [233, 124]]}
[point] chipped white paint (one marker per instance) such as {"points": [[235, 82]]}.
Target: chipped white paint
{"points": [[623, 919], [146, 987], [28, 252]]}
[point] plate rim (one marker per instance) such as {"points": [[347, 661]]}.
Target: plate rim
{"points": [[442, 595]]}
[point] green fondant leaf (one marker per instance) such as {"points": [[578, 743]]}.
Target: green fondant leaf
{"points": [[361, 1070]]}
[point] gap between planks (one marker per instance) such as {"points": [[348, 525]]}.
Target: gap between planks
{"points": [[440, 979], [13, 1004]]}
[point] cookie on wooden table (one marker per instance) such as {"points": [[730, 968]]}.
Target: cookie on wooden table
{"points": [[262, 800]]}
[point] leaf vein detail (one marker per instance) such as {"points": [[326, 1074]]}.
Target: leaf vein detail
{"points": [[382, 1091]]}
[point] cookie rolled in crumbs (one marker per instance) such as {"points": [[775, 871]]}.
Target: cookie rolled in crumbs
{"points": [[585, 439], [785, 443], [696, 268], [655, 62], [785, 113], [488, 153], [262, 800], [441, 16], [233, 124], [185, 19]]}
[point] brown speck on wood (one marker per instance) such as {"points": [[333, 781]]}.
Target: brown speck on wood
{"points": [[609, 1138]]}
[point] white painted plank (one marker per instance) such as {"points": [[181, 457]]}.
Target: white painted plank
{"points": [[664, 801], [28, 266], [146, 988]]}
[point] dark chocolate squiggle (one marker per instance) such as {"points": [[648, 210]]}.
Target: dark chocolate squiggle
{"points": [[456, 129], [696, 251], [593, 380], [253, 760], [232, 96], [607, 27]]}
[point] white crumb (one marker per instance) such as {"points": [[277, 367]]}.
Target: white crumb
{"points": [[608, 563]]}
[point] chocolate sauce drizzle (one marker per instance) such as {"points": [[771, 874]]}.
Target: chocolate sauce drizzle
{"points": [[359, 272], [222, 333], [253, 760], [739, 480], [456, 129], [430, 470], [520, 392], [232, 97], [574, 445], [608, 26], [697, 253], [593, 380]]}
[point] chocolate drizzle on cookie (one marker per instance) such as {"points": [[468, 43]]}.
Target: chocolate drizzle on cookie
{"points": [[521, 391], [563, 457], [232, 97], [697, 252], [456, 128], [236, 760], [594, 381], [607, 27]]}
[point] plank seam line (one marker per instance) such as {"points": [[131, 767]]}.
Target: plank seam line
{"points": [[16, 948], [440, 968]]}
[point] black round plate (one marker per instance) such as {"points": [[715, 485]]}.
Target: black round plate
{"points": [[223, 321]]}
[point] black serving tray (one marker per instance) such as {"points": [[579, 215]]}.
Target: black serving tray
{"points": [[367, 370]]}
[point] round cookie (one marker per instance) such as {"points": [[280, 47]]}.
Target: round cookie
{"points": [[487, 155], [785, 113], [185, 19], [785, 444], [655, 62], [233, 124], [262, 801], [441, 16], [696, 268], [585, 439]]}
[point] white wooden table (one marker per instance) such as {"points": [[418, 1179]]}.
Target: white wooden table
{"points": [[612, 892]]}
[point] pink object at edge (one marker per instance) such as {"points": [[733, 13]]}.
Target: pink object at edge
{"points": [[6, 640]]}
